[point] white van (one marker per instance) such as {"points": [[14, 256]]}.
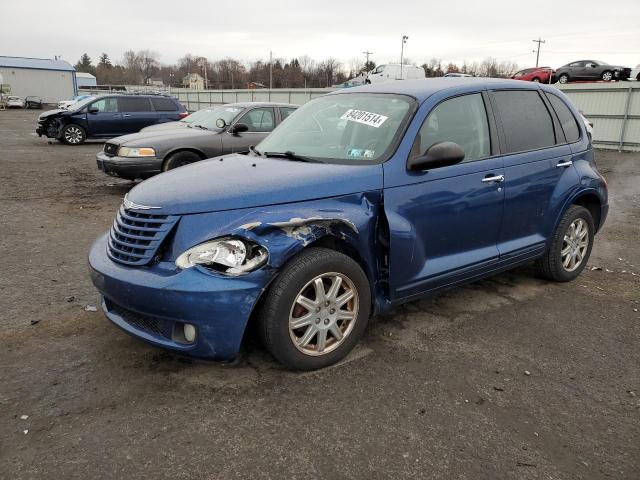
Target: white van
{"points": [[391, 71]]}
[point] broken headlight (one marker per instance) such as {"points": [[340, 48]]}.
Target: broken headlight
{"points": [[226, 255]]}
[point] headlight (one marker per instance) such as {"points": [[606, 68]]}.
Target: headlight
{"points": [[226, 255], [136, 152]]}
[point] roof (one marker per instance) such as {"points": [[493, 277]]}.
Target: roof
{"points": [[35, 63], [84, 75], [422, 89]]}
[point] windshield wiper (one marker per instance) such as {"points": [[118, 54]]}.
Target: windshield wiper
{"points": [[254, 150], [291, 156]]}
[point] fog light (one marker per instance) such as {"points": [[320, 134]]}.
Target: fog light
{"points": [[189, 332]]}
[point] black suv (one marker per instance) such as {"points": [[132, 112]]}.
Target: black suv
{"points": [[108, 116]]}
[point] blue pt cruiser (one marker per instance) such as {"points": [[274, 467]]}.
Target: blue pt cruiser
{"points": [[361, 200]]}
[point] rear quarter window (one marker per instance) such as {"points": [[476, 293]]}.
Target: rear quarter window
{"points": [[134, 104], [164, 105], [526, 122], [567, 120]]}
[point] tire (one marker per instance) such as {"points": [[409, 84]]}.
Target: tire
{"points": [[607, 76], [536, 79], [179, 159], [564, 78], [73, 135], [552, 265], [280, 307]]}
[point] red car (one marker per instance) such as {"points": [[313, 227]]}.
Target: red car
{"points": [[537, 74]]}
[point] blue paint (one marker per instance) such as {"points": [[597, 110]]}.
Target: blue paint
{"points": [[414, 233]]}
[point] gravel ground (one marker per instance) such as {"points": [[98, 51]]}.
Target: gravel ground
{"points": [[510, 377]]}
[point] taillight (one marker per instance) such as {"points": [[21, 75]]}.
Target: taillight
{"points": [[183, 114]]}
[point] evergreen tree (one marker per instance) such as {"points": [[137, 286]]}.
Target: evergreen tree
{"points": [[84, 65]]}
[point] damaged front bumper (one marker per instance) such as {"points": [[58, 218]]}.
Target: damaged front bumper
{"points": [[129, 168], [153, 303]]}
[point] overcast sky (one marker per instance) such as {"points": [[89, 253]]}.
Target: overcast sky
{"points": [[451, 30]]}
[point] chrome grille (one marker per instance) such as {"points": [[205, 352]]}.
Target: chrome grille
{"points": [[135, 237]]}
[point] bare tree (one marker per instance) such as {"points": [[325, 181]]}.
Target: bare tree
{"points": [[149, 64]]}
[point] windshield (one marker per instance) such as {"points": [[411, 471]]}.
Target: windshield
{"points": [[349, 128], [207, 117], [379, 69], [599, 62], [81, 103]]}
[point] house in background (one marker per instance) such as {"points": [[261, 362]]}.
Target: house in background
{"points": [[156, 82], [51, 80], [194, 81], [253, 85]]}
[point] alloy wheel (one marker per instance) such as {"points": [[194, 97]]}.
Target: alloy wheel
{"points": [[607, 76], [574, 245], [324, 313], [73, 135]]}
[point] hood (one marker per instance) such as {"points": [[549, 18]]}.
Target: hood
{"points": [[153, 137], [165, 126], [50, 113], [233, 182]]}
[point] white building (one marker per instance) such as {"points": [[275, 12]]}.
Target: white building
{"points": [[52, 80], [193, 81], [85, 80]]}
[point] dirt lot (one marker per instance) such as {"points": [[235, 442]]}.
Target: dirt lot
{"points": [[512, 377]]}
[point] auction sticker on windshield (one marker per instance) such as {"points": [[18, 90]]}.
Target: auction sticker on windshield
{"points": [[361, 116]]}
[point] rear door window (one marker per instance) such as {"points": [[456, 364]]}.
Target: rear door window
{"points": [[462, 120], [134, 104], [567, 120], [526, 122], [163, 105], [286, 111]]}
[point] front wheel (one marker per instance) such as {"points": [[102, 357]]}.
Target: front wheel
{"points": [[179, 159], [607, 76], [570, 246], [73, 135], [316, 310], [536, 80]]}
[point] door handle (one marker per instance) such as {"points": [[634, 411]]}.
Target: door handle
{"points": [[126, 115], [568, 163], [494, 178]]}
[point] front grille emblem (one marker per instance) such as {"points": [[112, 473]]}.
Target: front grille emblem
{"points": [[129, 205]]}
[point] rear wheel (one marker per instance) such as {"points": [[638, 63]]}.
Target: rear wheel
{"points": [[536, 79], [179, 159], [73, 135], [316, 310], [564, 78], [570, 246], [607, 76]]}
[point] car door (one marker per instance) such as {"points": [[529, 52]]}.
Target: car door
{"points": [[260, 122], [103, 118], [445, 222], [137, 113], [537, 170], [592, 70]]}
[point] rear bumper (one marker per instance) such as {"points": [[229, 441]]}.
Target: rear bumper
{"points": [[129, 168], [153, 302]]}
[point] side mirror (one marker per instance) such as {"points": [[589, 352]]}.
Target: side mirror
{"points": [[441, 154], [239, 128], [220, 123], [93, 110]]}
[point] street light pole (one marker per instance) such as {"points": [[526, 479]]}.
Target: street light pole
{"points": [[270, 70], [404, 40]]}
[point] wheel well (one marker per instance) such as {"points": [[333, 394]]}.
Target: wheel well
{"points": [[180, 150], [592, 203]]}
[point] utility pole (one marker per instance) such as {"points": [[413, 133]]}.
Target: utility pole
{"points": [[404, 40], [539, 41], [367, 53], [270, 69]]}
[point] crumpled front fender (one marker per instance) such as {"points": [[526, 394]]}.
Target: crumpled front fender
{"points": [[285, 230]]}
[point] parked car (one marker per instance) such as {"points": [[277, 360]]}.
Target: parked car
{"points": [[392, 71], [591, 70], [536, 74], [456, 74], [33, 102], [68, 103], [635, 73], [230, 128], [14, 102], [108, 116], [364, 199]]}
